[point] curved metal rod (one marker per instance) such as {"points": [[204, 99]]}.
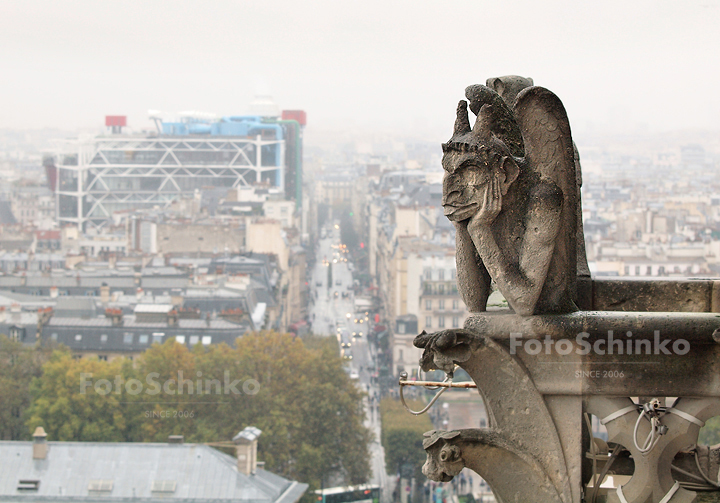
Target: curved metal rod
{"points": [[432, 388], [403, 377]]}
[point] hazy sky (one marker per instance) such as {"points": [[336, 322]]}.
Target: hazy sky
{"points": [[368, 65]]}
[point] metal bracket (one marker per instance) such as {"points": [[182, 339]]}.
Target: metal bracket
{"points": [[444, 385]]}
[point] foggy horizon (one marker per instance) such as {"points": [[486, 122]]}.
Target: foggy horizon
{"points": [[375, 67]]}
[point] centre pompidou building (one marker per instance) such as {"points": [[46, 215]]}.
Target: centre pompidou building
{"points": [[97, 177]]}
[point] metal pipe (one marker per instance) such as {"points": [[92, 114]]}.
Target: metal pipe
{"points": [[435, 384]]}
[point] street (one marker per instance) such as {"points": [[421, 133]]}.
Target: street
{"points": [[333, 314]]}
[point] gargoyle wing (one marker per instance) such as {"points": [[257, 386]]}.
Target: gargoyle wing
{"points": [[549, 153]]}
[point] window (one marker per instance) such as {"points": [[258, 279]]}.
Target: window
{"points": [[428, 273], [428, 305], [28, 485], [637, 270], [441, 304], [143, 339], [428, 322], [401, 328], [100, 486], [128, 338], [103, 338], [206, 340], [453, 274], [441, 289], [455, 304], [400, 355], [53, 337], [180, 339], [441, 321], [456, 322], [158, 337], [78, 337], [163, 486], [441, 274], [194, 339]]}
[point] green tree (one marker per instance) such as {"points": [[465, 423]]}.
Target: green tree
{"points": [[402, 435], [83, 399], [710, 433], [168, 404], [19, 365], [296, 392]]}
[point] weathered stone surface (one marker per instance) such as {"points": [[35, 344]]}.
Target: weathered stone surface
{"points": [[522, 478], [692, 296], [517, 412], [694, 372], [512, 191]]}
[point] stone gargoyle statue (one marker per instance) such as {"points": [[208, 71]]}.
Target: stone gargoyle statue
{"points": [[510, 189]]}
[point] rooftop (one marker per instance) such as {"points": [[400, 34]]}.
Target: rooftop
{"points": [[99, 472]]}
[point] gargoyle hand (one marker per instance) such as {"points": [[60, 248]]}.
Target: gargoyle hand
{"points": [[491, 205]]}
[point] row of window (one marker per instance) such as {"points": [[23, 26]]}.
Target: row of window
{"points": [[441, 304], [441, 322], [439, 289], [428, 274], [660, 270], [129, 338]]}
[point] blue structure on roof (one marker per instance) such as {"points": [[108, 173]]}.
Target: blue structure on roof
{"points": [[245, 126], [236, 125]]}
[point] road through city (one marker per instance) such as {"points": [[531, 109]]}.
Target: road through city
{"points": [[333, 314]]}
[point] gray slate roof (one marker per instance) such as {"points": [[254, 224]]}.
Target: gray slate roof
{"points": [[200, 473]]}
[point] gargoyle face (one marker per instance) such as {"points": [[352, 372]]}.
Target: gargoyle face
{"points": [[463, 185], [467, 176], [443, 463]]}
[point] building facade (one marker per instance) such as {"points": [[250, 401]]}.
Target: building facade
{"points": [[94, 178]]}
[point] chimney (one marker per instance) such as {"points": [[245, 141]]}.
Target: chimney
{"points": [[172, 318], [115, 315], [104, 293], [53, 292], [139, 294], [246, 450], [40, 447], [176, 439]]}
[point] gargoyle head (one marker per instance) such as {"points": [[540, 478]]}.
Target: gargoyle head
{"points": [[475, 156], [443, 350], [444, 458]]}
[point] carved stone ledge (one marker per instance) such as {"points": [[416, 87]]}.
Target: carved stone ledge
{"points": [[493, 457]]}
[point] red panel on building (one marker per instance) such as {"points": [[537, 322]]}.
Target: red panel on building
{"points": [[295, 115], [116, 120]]}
